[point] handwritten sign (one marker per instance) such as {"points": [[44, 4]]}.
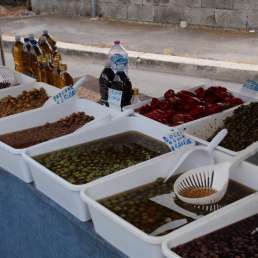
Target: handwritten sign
{"points": [[64, 95], [177, 140], [115, 97], [250, 88]]}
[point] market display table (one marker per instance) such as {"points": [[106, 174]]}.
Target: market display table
{"points": [[90, 90], [33, 226]]}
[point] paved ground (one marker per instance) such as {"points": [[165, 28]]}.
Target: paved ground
{"points": [[163, 39], [150, 83]]}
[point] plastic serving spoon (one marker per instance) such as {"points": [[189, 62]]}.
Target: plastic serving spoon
{"points": [[200, 152], [66, 93], [214, 178], [168, 201], [169, 226]]}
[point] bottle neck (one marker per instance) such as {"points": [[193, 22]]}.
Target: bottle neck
{"points": [[62, 71], [56, 67]]}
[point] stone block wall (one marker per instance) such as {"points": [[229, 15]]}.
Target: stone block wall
{"points": [[241, 14], [62, 7]]}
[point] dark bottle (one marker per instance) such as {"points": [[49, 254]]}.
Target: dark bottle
{"points": [[122, 83], [105, 80]]}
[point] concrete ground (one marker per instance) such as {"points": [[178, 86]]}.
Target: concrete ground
{"points": [[149, 83], [161, 39]]}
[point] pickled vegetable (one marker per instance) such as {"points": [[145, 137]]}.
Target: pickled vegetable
{"points": [[84, 163], [135, 207], [36, 135]]}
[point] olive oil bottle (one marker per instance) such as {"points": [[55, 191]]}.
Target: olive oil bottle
{"points": [[55, 74], [27, 57], [65, 78], [49, 71], [49, 39], [18, 55], [46, 48], [35, 52], [40, 74]]}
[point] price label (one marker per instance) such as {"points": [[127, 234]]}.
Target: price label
{"points": [[250, 88], [64, 95], [115, 97], [177, 140]]}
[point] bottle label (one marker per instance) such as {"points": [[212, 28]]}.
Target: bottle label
{"points": [[115, 97], [177, 140], [250, 88], [64, 95], [119, 62]]}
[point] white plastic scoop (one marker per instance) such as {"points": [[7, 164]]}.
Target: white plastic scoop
{"points": [[66, 93], [200, 154], [213, 177]]}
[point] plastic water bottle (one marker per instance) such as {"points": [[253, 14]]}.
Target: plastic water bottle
{"points": [[118, 58]]}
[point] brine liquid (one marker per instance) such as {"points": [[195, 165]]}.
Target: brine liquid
{"points": [[135, 206], [86, 162]]}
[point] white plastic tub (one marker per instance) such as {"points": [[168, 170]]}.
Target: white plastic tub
{"points": [[210, 224], [16, 91], [12, 159], [123, 235], [66, 194], [245, 98], [202, 129], [23, 79]]}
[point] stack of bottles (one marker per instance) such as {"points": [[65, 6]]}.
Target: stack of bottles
{"points": [[41, 60], [115, 86]]}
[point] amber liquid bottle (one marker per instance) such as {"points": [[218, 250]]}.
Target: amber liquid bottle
{"points": [[40, 74], [49, 71], [50, 39], [18, 55], [68, 78], [27, 57], [46, 48], [57, 57], [45, 70], [55, 74], [65, 78], [35, 52]]}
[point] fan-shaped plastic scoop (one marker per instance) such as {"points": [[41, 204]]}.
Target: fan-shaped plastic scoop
{"points": [[208, 184], [66, 93], [200, 154], [7, 76]]}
